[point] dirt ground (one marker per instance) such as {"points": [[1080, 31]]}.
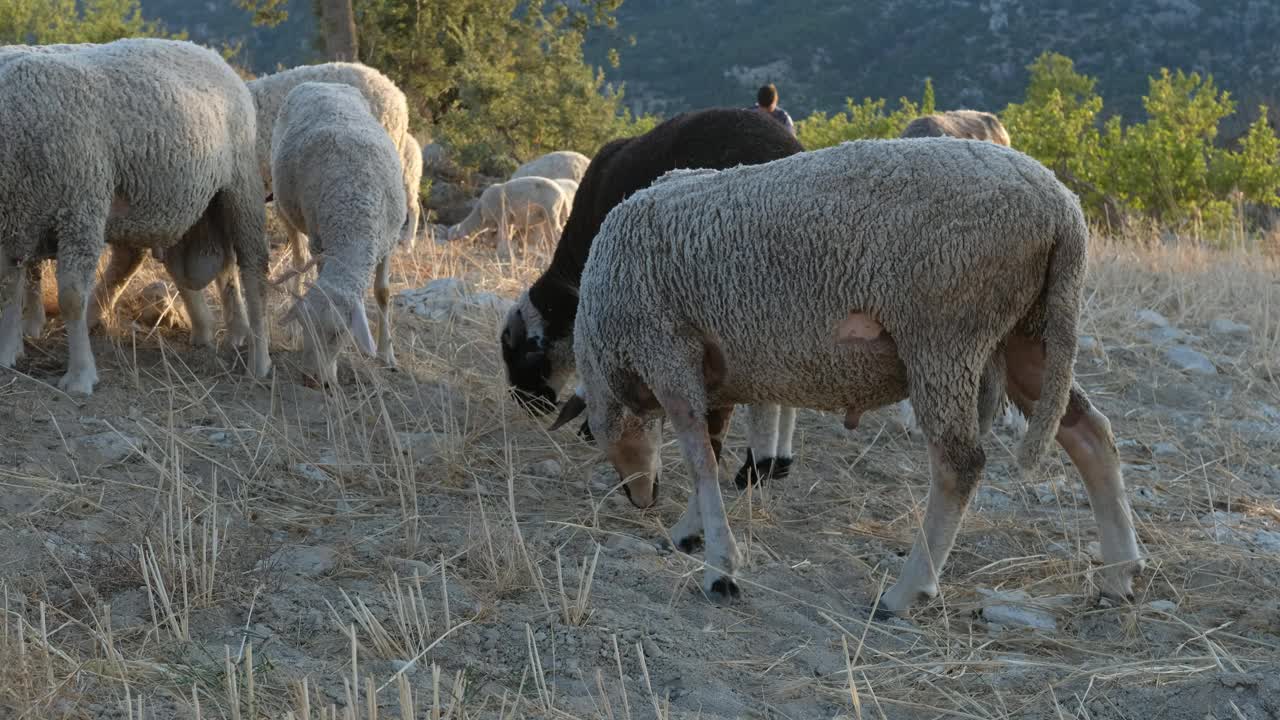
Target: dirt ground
{"points": [[189, 543]]}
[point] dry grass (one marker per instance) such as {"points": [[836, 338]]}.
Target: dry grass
{"points": [[415, 546]]}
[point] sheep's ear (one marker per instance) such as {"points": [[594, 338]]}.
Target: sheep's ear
{"points": [[359, 322], [573, 407]]}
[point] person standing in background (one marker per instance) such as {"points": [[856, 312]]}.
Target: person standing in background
{"points": [[767, 102]]}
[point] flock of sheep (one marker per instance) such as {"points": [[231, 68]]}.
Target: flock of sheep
{"points": [[709, 263]]}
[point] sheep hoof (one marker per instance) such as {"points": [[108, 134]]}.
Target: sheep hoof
{"points": [[584, 432], [724, 589], [756, 472], [881, 613], [78, 382]]}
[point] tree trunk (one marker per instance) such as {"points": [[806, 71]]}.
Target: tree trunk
{"points": [[339, 30]]}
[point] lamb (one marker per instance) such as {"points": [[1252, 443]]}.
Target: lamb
{"points": [[537, 339], [559, 165], [338, 179], [972, 125], [966, 124], [107, 136], [522, 203], [945, 270], [386, 102]]}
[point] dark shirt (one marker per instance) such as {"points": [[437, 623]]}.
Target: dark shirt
{"points": [[780, 115]]}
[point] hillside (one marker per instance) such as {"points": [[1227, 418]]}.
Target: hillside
{"points": [[696, 53]]}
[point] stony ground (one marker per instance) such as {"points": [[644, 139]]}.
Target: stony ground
{"points": [[189, 543]]}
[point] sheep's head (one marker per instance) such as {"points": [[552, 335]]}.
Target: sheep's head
{"points": [[329, 317], [537, 366], [631, 443]]}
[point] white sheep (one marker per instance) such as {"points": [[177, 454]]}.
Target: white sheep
{"points": [[520, 205], [559, 165], [386, 101], [944, 270], [144, 144], [338, 179]]}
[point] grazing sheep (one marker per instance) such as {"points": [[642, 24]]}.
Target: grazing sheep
{"points": [[338, 179], [537, 339], [964, 124], [386, 102], [520, 204], [970, 125], [946, 270], [411, 161], [143, 144], [559, 165]]}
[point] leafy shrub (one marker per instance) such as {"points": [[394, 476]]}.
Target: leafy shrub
{"points": [[41, 22], [861, 121]]}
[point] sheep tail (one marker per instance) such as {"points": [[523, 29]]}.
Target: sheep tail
{"points": [[1064, 279]]}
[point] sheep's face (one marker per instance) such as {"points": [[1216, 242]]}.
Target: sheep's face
{"points": [[328, 319], [630, 442], [531, 361]]}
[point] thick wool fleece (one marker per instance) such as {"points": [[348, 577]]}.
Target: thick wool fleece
{"points": [[338, 180], [964, 124], [131, 142], [558, 165], [951, 245], [386, 101]]}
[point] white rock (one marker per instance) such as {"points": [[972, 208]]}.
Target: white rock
{"points": [[1014, 608], [989, 498], [1088, 344], [1165, 606], [1267, 540], [1094, 548], [302, 561], [443, 297], [1190, 361], [1164, 449], [1228, 327], [1151, 318], [111, 446]]}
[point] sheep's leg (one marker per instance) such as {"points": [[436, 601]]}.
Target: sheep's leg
{"points": [[202, 323], [717, 427], [122, 266], [786, 433], [240, 214], [78, 255], [762, 445], [33, 302], [1086, 435], [300, 254], [382, 294], [13, 292], [233, 313], [956, 460], [907, 416], [694, 436]]}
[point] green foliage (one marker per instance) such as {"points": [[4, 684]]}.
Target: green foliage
{"points": [[1168, 167], [266, 13], [861, 121], [41, 22], [1057, 123], [501, 81]]}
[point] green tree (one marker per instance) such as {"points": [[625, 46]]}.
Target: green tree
{"points": [[862, 121], [502, 81], [1057, 123], [41, 22]]}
